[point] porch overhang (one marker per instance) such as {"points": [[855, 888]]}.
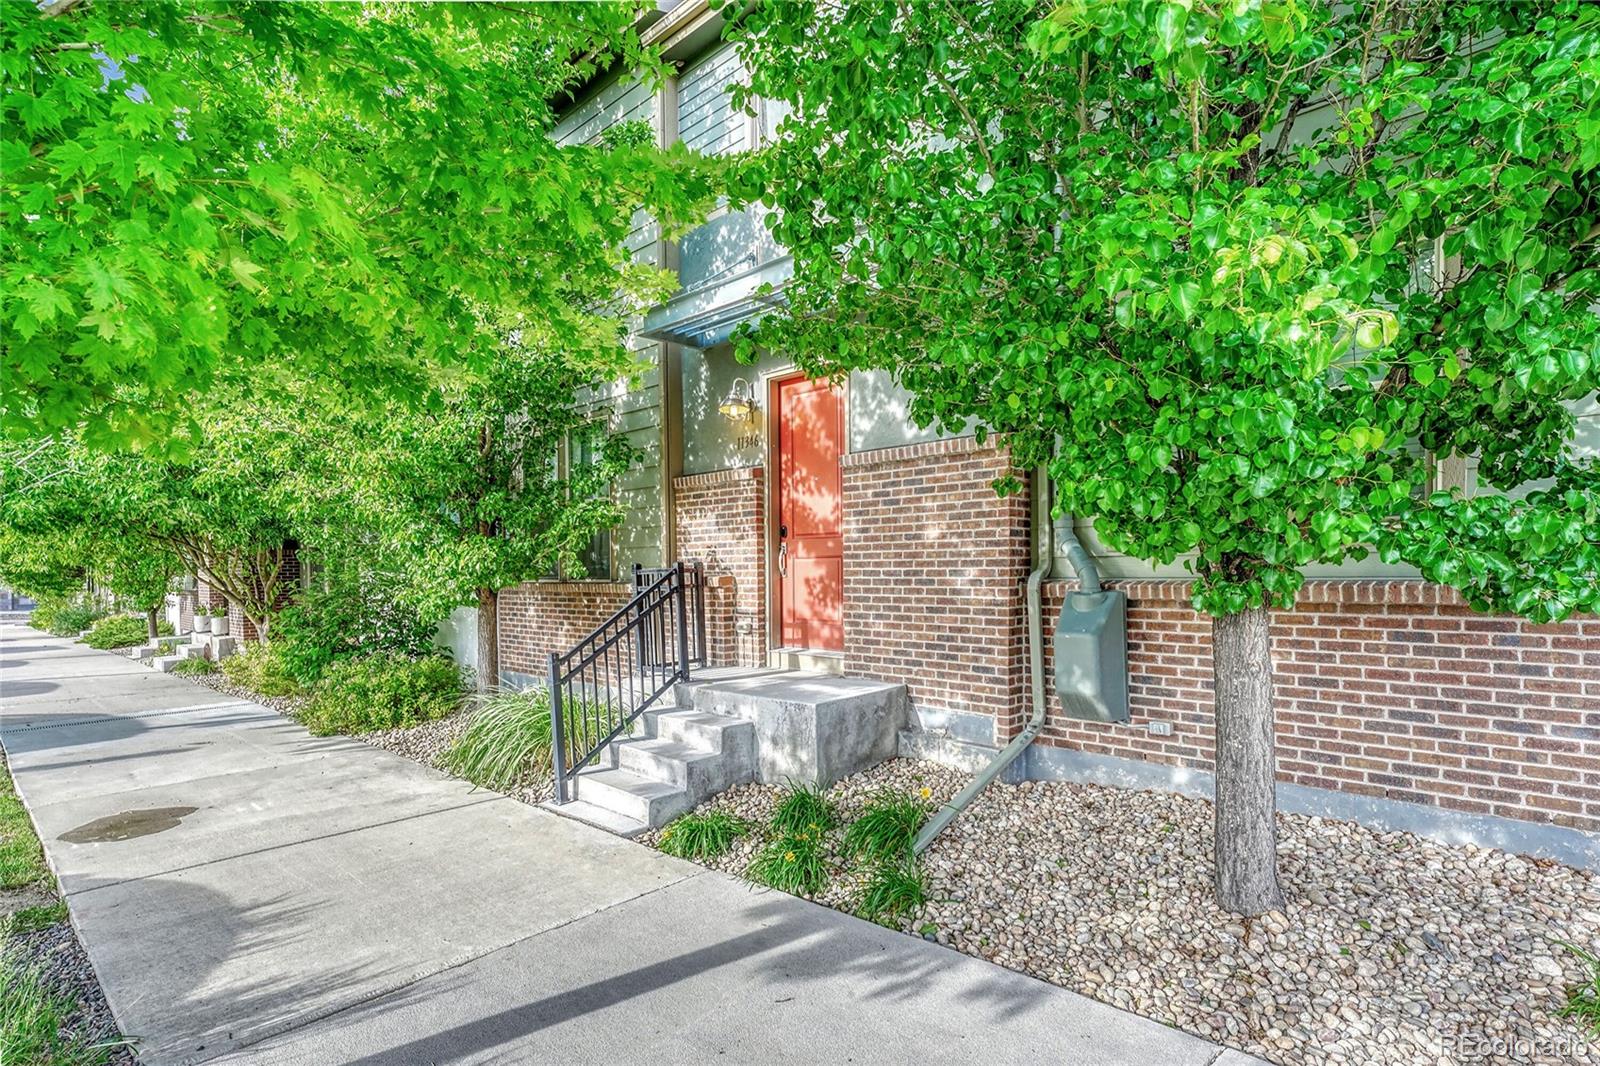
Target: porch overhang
{"points": [[707, 314]]}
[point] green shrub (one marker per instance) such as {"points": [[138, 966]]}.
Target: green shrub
{"points": [[351, 612], [123, 631], [886, 828], [702, 836], [260, 668], [1583, 1000], [382, 691], [194, 666], [63, 618], [793, 863], [895, 890], [508, 739], [803, 810]]}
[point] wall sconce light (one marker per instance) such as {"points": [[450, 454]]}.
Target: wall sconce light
{"points": [[739, 405]]}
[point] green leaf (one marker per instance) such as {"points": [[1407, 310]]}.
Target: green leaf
{"points": [[1186, 298]]}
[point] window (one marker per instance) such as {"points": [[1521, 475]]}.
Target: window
{"points": [[583, 452]]}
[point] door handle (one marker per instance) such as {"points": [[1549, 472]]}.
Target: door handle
{"points": [[783, 559]]}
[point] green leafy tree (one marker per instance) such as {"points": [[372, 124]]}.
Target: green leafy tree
{"points": [[196, 190], [221, 514], [44, 567], [499, 482], [1242, 275], [139, 575]]}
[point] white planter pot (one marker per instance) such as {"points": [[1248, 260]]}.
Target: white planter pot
{"points": [[219, 625]]}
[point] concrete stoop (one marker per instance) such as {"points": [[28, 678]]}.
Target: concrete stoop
{"points": [[199, 646], [159, 646], [727, 727]]}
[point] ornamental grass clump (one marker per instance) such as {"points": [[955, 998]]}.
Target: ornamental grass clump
{"points": [[1583, 1000], [792, 863], [803, 810], [702, 836], [886, 828], [895, 889], [509, 740]]}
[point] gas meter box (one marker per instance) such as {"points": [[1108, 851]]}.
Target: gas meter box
{"points": [[1091, 652]]}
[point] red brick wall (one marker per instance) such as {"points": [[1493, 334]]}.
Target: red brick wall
{"points": [[238, 625], [934, 566], [720, 520], [539, 617], [1384, 688]]}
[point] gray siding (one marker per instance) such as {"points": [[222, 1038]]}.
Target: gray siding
{"points": [[707, 121], [618, 101], [635, 401]]}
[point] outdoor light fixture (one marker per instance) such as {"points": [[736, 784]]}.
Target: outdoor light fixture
{"points": [[738, 405]]}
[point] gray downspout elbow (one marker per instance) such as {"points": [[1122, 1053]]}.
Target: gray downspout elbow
{"points": [[1078, 557]]}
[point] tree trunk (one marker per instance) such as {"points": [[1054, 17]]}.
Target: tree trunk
{"points": [[488, 640], [1247, 834], [150, 624]]}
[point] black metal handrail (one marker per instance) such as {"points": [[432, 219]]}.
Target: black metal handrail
{"points": [[600, 686], [695, 572]]}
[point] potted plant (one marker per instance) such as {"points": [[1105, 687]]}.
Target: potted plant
{"points": [[219, 620]]}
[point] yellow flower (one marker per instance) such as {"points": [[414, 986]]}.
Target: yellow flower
{"points": [[925, 792], [802, 836], [788, 856], [815, 828]]}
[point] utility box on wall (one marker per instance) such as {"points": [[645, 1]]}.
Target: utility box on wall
{"points": [[1091, 649]]}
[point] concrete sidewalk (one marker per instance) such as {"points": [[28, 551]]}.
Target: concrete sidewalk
{"points": [[250, 893]]}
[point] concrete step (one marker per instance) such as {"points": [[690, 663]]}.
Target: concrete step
{"points": [[713, 732], [621, 792], [222, 647], [165, 663], [673, 762], [599, 817]]}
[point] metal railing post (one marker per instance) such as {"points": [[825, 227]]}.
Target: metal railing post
{"points": [[683, 621], [639, 638], [700, 612], [558, 750]]}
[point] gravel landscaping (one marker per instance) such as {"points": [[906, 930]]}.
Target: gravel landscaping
{"points": [[1393, 948], [218, 682], [64, 969]]}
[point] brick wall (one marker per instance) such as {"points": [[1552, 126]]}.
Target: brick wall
{"points": [[720, 520], [1384, 688], [934, 565], [539, 617]]}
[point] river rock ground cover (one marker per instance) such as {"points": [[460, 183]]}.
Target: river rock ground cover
{"points": [[1392, 948]]}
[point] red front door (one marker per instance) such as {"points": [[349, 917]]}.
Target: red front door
{"points": [[810, 420]]}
